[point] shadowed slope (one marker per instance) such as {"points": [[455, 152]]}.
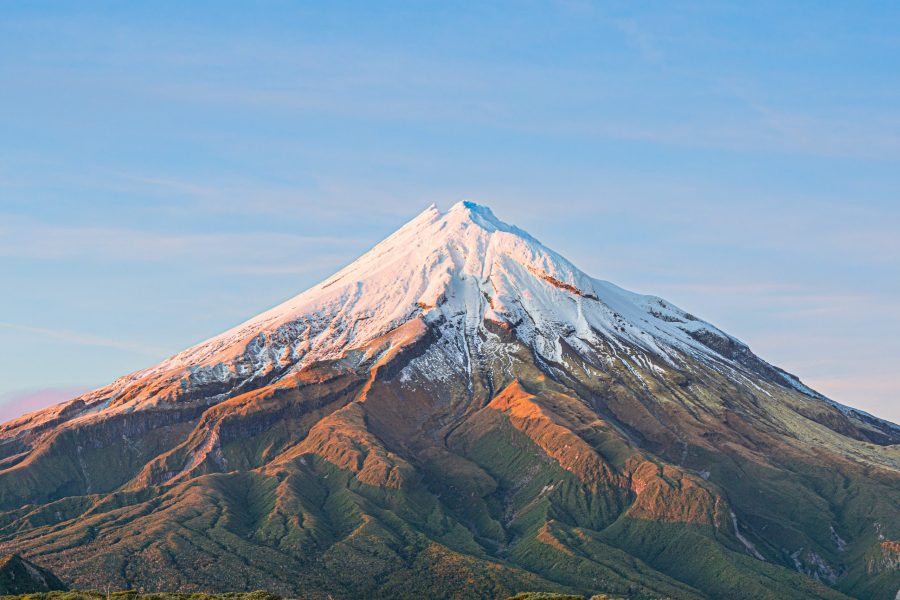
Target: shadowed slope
{"points": [[20, 576]]}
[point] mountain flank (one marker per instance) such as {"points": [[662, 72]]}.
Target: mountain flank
{"points": [[460, 413], [20, 576]]}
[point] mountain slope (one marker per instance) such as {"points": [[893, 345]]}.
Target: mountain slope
{"points": [[20, 576], [464, 403]]}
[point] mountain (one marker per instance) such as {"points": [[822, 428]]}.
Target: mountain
{"points": [[460, 413], [20, 576]]}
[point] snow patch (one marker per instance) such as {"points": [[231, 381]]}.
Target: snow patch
{"points": [[747, 543]]}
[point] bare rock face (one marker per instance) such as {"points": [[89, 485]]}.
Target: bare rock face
{"points": [[460, 413]]}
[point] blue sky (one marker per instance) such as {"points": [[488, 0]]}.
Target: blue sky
{"points": [[169, 169]]}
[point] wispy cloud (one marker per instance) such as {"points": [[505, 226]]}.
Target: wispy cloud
{"points": [[790, 300], [84, 339], [710, 150], [321, 261], [743, 288], [877, 393], [16, 404], [22, 237], [639, 38], [867, 384], [482, 95], [331, 78]]}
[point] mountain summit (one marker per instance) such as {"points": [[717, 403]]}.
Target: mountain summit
{"points": [[461, 412]]}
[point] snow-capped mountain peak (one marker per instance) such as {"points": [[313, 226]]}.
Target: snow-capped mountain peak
{"points": [[455, 271], [460, 274], [463, 384]]}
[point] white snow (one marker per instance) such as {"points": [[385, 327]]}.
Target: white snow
{"points": [[455, 270], [462, 263], [747, 543]]}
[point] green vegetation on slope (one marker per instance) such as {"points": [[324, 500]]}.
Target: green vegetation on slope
{"points": [[593, 479], [20, 576], [133, 595]]}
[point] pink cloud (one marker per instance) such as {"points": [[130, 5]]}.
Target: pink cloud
{"points": [[15, 404]]}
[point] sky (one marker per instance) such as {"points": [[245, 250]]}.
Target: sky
{"points": [[169, 169]]}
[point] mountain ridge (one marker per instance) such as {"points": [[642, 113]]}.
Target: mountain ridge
{"points": [[469, 402], [726, 346]]}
